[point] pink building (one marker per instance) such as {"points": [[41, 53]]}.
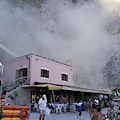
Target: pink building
{"points": [[33, 76], [36, 69], [32, 70]]}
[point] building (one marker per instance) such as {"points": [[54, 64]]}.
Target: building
{"points": [[33, 75], [32, 70]]}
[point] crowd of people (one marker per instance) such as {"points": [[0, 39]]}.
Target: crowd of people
{"points": [[94, 110]]}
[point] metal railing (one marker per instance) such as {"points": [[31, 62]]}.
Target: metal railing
{"points": [[22, 81], [18, 82]]}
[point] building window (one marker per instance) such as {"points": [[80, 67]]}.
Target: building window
{"points": [[64, 96], [21, 75], [44, 73], [64, 77]]}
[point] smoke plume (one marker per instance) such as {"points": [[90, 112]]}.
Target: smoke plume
{"points": [[79, 33]]}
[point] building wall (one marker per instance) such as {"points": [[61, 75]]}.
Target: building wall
{"points": [[64, 100], [36, 63], [9, 73], [55, 71]]}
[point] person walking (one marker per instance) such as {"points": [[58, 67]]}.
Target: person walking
{"points": [[79, 109], [42, 104]]}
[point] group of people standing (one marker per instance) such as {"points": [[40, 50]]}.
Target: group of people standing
{"points": [[94, 110]]}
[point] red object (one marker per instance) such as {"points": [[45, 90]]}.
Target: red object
{"points": [[22, 116]]}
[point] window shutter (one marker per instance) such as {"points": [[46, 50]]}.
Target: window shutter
{"points": [[41, 73], [47, 74], [17, 74]]}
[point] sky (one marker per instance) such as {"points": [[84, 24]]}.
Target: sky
{"points": [[80, 34]]}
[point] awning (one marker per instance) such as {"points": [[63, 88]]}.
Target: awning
{"points": [[70, 88], [50, 86], [99, 91]]}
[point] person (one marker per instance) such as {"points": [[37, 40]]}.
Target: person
{"points": [[118, 113], [57, 99], [42, 104], [3, 97], [97, 115], [79, 105], [111, 113], [90, 103], [94, 109], [96, 101]]}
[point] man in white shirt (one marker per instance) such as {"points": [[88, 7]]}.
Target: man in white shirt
{"points": [[42, 107]]}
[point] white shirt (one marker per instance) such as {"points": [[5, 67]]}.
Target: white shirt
{"points": [[96, 102], [42, 104], [79, 104]]}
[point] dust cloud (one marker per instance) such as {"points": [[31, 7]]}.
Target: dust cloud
{"points": [[77, 33]]}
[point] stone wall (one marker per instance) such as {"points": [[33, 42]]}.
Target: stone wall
{"points": [[23, 97]]}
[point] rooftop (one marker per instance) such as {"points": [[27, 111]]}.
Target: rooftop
{"points": [[37, 56]]}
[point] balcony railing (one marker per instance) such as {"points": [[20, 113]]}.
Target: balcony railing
{"points": [[22, 80]]}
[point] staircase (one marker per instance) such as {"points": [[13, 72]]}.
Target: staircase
{"points": [[13, 87]]}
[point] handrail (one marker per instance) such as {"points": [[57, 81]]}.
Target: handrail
{"points": [[21, 78], [16, 83]]}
